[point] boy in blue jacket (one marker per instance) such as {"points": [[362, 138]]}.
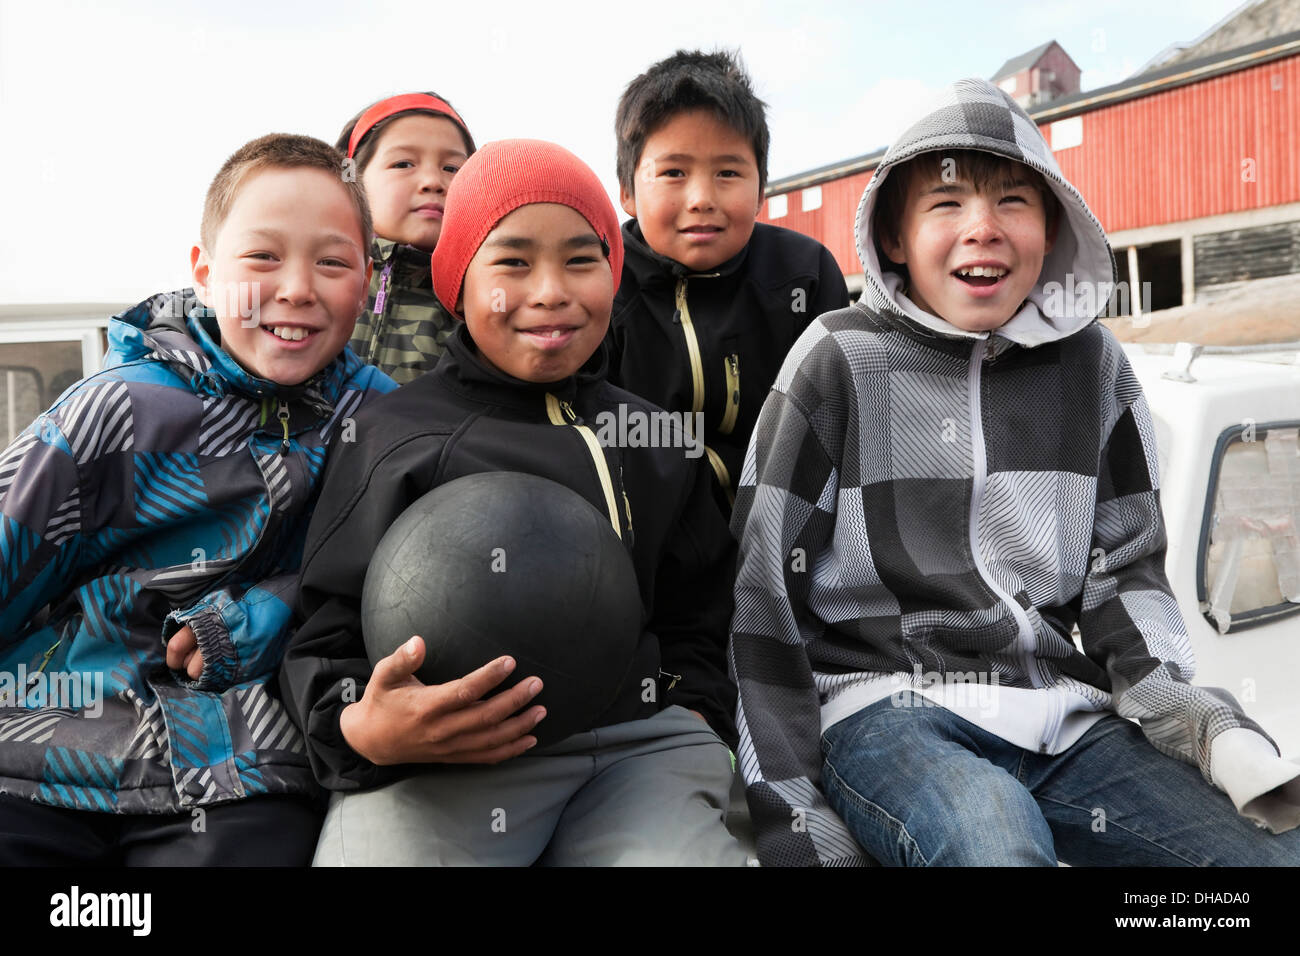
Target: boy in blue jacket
{"points": [[151, 527]]}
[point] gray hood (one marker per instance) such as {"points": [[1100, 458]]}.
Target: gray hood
{"points": [[1078, 274]]}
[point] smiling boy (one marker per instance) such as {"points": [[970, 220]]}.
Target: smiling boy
{"points": [[161, 506], [710, 301], [529, 258], [946, 479]]}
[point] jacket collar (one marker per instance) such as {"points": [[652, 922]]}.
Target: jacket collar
{"points": [[463, 369], [650, 267], [177, 329]]}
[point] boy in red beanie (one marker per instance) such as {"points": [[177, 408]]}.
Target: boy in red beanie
{"points": [[529, 258]]}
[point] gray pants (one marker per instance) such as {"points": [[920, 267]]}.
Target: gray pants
{"points": [[648, 792]]}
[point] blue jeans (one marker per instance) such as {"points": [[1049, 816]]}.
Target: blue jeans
{"points": [[919, 786]]}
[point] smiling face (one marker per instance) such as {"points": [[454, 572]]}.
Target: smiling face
{"points": [[696, 190], [288, 273], [407, 178], [538, 293], [972, 254]]}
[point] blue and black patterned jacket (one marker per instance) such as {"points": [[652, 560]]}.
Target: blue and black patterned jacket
{"points": [[171, 488]]}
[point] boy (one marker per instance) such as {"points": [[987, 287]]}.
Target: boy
{"points": [[710, 302], [529, 258], [946, 478], [156, 515]]}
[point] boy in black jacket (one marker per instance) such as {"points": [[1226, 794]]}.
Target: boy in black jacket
{"points": [[710, 302], [529, 257]]}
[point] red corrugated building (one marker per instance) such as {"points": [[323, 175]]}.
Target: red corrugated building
{"points": [[1193, 169]]}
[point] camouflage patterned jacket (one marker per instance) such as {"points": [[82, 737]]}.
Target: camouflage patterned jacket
{"points": [[171, 488], [404, 328]]}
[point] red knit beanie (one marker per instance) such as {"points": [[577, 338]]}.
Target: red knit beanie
{"points": [[497, 180]]}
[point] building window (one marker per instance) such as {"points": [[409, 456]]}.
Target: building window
{"points": [[777, 206], [1248, 561], [1066, 133], [812, 198]]}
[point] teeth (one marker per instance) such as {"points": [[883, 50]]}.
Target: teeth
{"points": [[555, 334], [289, 335], [994, 272]]}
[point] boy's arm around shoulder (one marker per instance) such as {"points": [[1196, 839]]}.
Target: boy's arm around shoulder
{"points": [[241, 630], [785, 519], [1130, 623]]}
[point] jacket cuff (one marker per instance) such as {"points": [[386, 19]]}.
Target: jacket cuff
{"points": [[1262, 786], [220, 663]]}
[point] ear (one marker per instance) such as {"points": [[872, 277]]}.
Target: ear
{"points": [[365, 286], [627, 200], [200, 267], [1053, 227], [893, 249]]}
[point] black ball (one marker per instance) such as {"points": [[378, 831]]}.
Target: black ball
{"points": [[507, 563]]}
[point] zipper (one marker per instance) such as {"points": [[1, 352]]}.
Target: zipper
{"points": [[731, 368], [283, 416], [627, 505], [1026, 639], [720, 469], [381, 299], [692, 348], [31, 678], [557, 411]]}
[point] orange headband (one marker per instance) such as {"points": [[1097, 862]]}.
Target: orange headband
{"points": [[397, 104]]}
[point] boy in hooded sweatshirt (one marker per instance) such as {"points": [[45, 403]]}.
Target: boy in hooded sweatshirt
{"points": [[946, 479], [152, 524]]}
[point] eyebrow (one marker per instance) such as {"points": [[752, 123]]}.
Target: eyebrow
{"points": [[688, 157], [963, 185], [414, 148], [328, 239], [527, 242]]}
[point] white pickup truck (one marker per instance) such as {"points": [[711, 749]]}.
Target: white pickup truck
{"points": [[1228, 429]]}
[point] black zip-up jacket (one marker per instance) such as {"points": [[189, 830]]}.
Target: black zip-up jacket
{"points": [[464, 418], [713, 342]]}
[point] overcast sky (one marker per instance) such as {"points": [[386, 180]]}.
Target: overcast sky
{"points": [[115, 120]]}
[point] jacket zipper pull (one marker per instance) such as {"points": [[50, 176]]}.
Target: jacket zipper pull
{"points": [[568, 410], [673, 682], [283, 415], [627, 506]]}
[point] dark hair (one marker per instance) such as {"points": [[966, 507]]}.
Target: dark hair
{"points": [[365, 151], [277, 151], [689, 80], [983, 170]]}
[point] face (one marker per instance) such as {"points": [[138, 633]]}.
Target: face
{"points": [[972, 257], [538, 293], [288, 273], [696, 190], [407, 178]]}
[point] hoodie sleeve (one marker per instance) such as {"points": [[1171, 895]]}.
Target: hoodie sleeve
{"points": [[1130, 622], [785, 518], [366, 487]]}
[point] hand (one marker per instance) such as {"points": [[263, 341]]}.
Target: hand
{"points": [[183, 653], [699, 715], [400, 720]]}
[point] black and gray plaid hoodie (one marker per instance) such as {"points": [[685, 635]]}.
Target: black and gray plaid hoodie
{"points": [[921, 505]]}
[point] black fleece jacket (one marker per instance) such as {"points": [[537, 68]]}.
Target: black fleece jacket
{"points": [[720, 354], [462, 418]]}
